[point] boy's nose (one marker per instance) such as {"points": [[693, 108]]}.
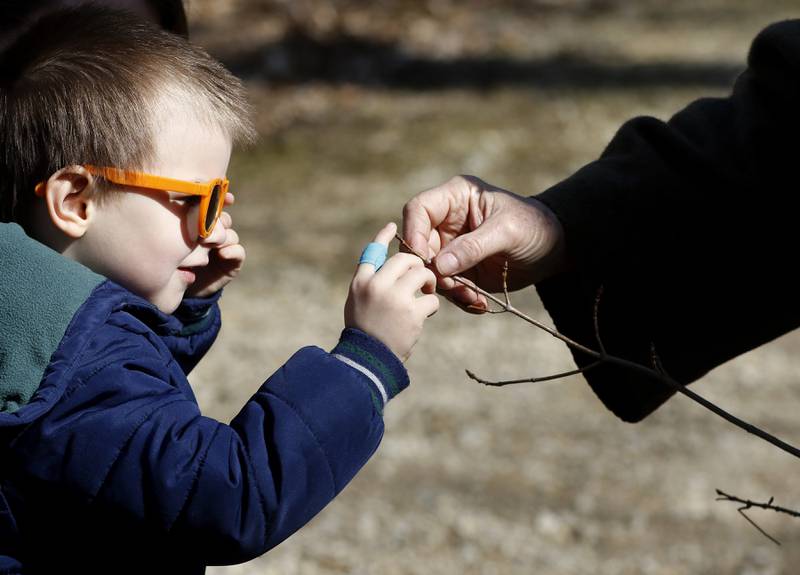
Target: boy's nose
{"points": [[217, 236]]}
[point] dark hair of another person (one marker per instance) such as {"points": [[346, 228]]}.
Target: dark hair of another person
{"points": [[172, 16], [17, 14]]}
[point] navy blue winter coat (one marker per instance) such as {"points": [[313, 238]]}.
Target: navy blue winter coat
{"points": [[107, 464]]}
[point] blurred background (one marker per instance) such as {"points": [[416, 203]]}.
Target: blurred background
{"points": [[362, 104]]}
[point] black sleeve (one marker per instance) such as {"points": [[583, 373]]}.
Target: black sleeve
{"points": [[690, 227]]}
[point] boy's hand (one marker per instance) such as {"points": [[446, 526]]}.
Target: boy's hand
{"points": [[224, 260], [385, 305]]}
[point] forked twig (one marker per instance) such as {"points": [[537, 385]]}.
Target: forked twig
{"points": [[658, 374], [531, 379], [508, 308], [748, 504]]}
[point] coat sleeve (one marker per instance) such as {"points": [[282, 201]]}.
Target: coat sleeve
{"points": [[127, 439], [690, 227], [192, 330]]}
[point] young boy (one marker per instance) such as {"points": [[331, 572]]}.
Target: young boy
{"points": [[115, 139]]}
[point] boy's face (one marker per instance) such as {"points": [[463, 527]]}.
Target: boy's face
{"points": [[147, 241]]}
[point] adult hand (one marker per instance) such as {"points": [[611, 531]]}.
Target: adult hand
{"points": [[471, 228]]}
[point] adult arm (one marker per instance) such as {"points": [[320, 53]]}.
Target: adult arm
{"points": [[690, 227]]}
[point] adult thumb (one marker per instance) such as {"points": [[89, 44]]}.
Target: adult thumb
{"points": [[468, 250]]}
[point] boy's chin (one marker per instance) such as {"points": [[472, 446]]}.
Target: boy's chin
{"points": [[167, 303], [166, 297]]}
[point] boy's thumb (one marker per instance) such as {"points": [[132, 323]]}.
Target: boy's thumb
{"points": [[467, 251]]}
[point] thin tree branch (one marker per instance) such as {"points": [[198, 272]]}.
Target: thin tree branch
{"points": [[531, 379], [657, 365], [757, 526], [633, 366], [505, 291], [597, 297], [508, 308], [505, 282], [748, 504]]}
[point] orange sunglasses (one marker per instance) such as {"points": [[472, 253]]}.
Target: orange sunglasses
{"points": [[212, 193]]}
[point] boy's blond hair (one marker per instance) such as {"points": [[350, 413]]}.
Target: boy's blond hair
{"points": [[90, 85]]}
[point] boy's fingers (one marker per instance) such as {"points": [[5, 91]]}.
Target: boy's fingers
{"points": [[386, 234], [429, 288], [418, 278], [231, 238], [399, 265], [226, 219], [366, 269], [232, 252], [428, 305], [429, 284], [229, 199]]}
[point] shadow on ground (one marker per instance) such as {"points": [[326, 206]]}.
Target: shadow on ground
{"points": [[299, 58]]}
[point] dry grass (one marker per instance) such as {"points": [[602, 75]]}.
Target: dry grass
{"points": [[533, 479]]}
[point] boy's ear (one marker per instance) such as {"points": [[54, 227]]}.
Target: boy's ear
{"points": [[69, 200]]}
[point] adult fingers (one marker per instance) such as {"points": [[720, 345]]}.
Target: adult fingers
{"points": [[464, 296], [467, 299], [466, 251], [425, 211], [421, 215], [384, 236]]}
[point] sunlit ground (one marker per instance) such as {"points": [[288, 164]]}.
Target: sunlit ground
{"points": [[537, 478]]}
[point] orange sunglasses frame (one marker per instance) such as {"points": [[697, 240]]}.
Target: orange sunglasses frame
{"points": [[160, 183]]}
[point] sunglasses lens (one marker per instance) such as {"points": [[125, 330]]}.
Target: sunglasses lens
{"points": [[213, 208]]}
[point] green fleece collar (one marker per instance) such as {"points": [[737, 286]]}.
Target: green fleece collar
{"points": [[40, 291]]}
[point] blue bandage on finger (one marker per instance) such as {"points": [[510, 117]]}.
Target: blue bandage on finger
{"points": [[375, 254]]}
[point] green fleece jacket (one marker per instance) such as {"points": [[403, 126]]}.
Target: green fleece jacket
{"points": [[37, 302]]}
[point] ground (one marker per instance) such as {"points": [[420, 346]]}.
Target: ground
{"points": [[537, 478]]}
